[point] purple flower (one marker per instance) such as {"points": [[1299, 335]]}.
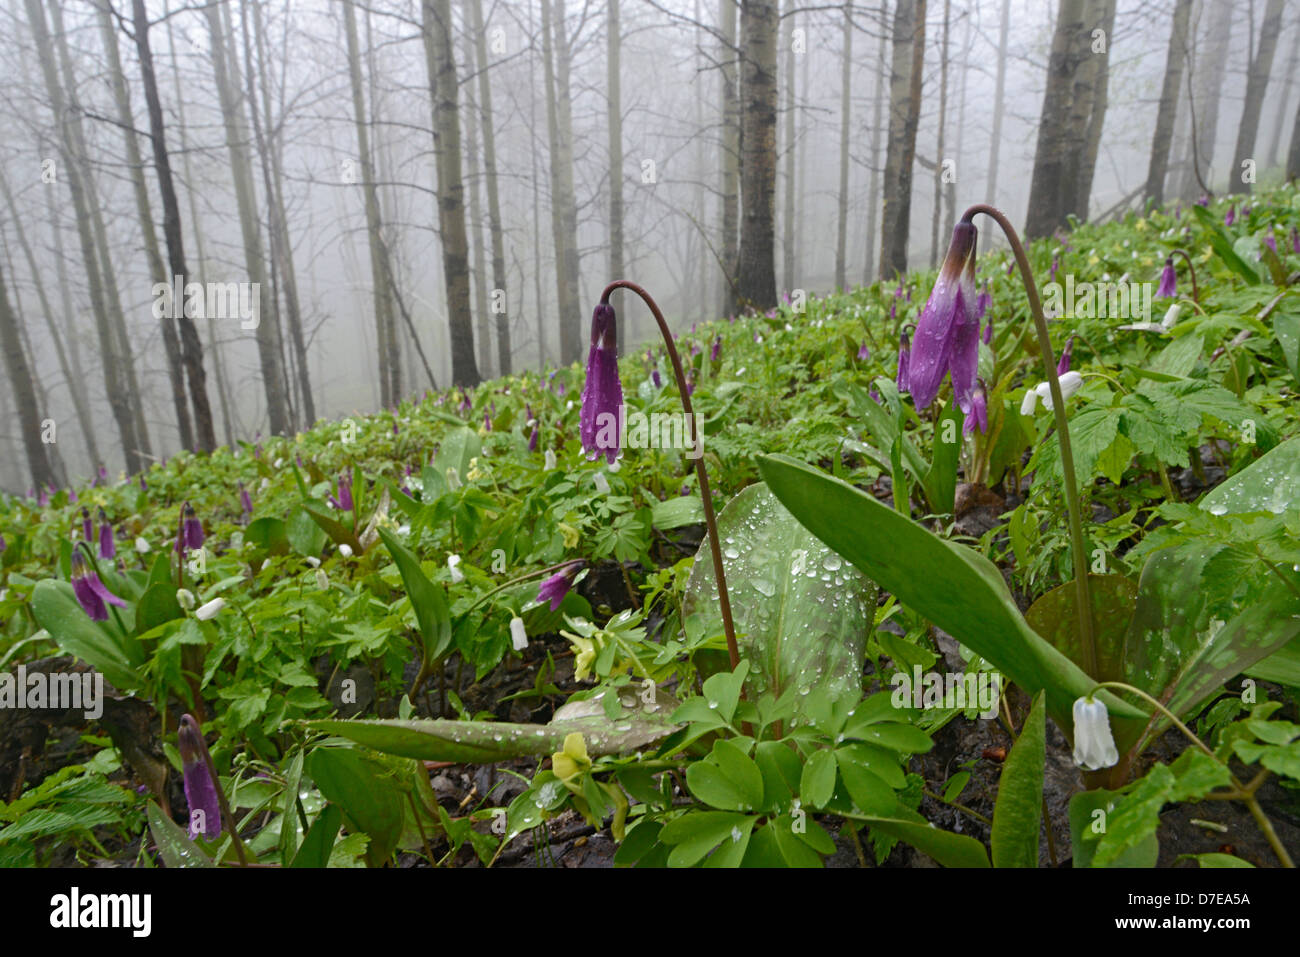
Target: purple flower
{"points": [[72, 496], [656, 378], [979, 411], [532, 439], [904, 357], [686, 489], [983, 301], [103, 475], [863, 352], [107, 547], [344, 500], [245, 502], [487, 422], [191, 531], [87, 530], [1056, 264], [200, 788], [602, 395], [1270, 242], [1168, 281], [557, 586], [1230, 216], [1063, 366], [1203, 201], [90, 591], [3, 543], [716, 352], [947, 334], [144, 486]]}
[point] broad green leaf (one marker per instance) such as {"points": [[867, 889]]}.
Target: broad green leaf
{"points": [[941, 479], [1269, 484], [303, 534], [1053, 616], [366, 789], [157, 606], [676, 512], [427, 598], [457, 448], [336, 530], [1282, 666], [1018, 813], [1089, 814], [818, 781], [174, 844], [56, 609], [694, 835], [316, 846], [1223, 247], [803, 614], [955, 587], [727, 779]]}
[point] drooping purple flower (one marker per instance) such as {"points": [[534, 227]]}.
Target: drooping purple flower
{"points": [[144, 486], [1063, 366], [947, 334], [983, 301], [1230, 216], [904, 360], [1168, 280], [190, 535], [1270, 242], [92, 594], [200, 788], [487, 422], [979, 411], [656, 378], [107, 547], [863, 352], [690, 386], [554, 589], [1203, 201], [343, 502], [716, 352], [532, 439], [602, 394], [245, 502], [87, 529], [44, 498]]}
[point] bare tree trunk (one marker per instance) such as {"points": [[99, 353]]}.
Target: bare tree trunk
{"points": [[537, 215], [1206, 94], [379, 267], [1284, 99], [939, 147], [20, 379], [71, 333], [614, 92], [758, 33], [906, 74], [999, 101], [269, 346], [75, 385], [788, 242], [1168, 108], [499, 278], [445, 88], [473, 179], [1261, 64], [110, 348], [877, 111], [564, 211], [729, 57], [1051, 193], [846, 118], [1293, 154]]}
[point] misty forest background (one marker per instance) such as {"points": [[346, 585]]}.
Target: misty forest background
{"points": [[430, 193]]}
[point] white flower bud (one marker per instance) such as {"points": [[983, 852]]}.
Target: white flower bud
{"points": [[457, 576], [518, 637], [1171, 317], [602, 483], [322, 580], [345, 550], [1094, 746], [141, 546], [550, 459], [210, 610], [185, 598], [1029, 403]]}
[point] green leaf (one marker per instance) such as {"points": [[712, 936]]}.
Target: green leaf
{"points": [[316, 846], [676, 512], [1269, 484], [174, 844], [953, 586], [1053, 616], [303, 534], [694, 834], [57, 611], [336, 530], [803, 614], [817, 783], [727, 779], [1282, 666], [157, 606], [366, 789], [428, 600], [1215, 859], [1223, 247], [941, 479], [1018, 813], [1089, 813]]}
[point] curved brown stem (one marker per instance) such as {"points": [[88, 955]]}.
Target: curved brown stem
{"points": [[1191, 271], [1083, 597], [715, 547]]}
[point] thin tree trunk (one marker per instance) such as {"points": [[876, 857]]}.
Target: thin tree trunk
{"points": [[71, 333], [729, 56], [1207, 94], [788, 218], [906, 74], [539, 303], [483, 319], [379, 268], [1283, 99], [111, 360], [877, 112], [20, 379], [445, 91], [1167, 111], [999, 101], [939, 147], [1051, 193], [564, 212], [269, 346], [614, 92], [758, 40], [1293, 154], [499, 278], [1261, 64], [846, 118]]}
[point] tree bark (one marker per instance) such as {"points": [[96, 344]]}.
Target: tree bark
{"points": [[473, 180], [758, 40], [788, 241], [999, 99], [614, 93], [729, 56], [564, 212], [906, 74], [1167, 111], [445, 89], [846, 118], [1051, 192], [937, 218], [877, 111], [20, 379], [499, 278], [1206, 95], [1261, 64]]}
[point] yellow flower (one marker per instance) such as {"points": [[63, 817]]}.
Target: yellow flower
{"points": [[571, 536], [585, 657], [573, 760]]}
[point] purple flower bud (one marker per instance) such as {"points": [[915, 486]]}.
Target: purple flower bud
{"points": [[602, 395], [1270, 242], [191, 531], [532, 439], [144, 486], [487, 422], [1295, 241], [863, 352], [103, 475], [686, 490], [1056, 264], [87, 530], [557, 586], [1168, 280], [1063, 366], [1203, 201], [72, 496], [245, 501], [3, 543], [978, 413], [947, 334], [716, 352], [904, 360], [1230, 216], [656, 378], [344, 501], [107, 547], [91, 593], [200, 788]]}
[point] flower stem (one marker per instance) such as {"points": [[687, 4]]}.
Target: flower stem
{"points": [[1191, 271], [715, 547], [1083, 597]]}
